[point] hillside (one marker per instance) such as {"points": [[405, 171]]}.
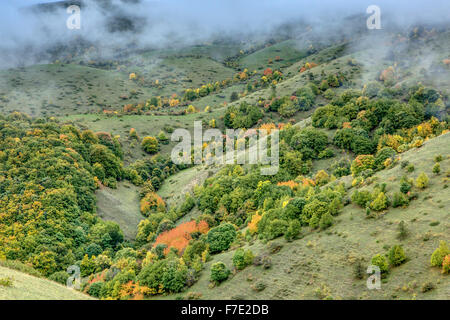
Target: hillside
{"points": [[321, 264], [88, 175], [27, 287]]}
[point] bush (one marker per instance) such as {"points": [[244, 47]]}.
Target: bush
{"points": [[446, 264], [405, 185], [361, 198], [293, 230], [427, 286], [396, 255], [95, 289], [381, 262], [422, 181], [358, 270], [219, 272], [399, 200], [326, 221], [242, 258], [402, 231], [436, 168], [437, 258], [380, 202], [59, 276], [6, 282], [220, 238], [150, 145], [276, 228]]}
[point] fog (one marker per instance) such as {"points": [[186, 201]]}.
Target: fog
{"points": [[29, 34]]}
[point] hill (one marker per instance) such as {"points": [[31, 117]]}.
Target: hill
{"points": [[321, 264], [27, 287]]}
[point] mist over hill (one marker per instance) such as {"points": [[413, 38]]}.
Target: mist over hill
{"points": [[33, 33]]}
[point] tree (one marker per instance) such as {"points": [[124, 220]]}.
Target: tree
{"points": [[293, 230], [310, 142], [396, 255], [326, 221], [380, 202], [242, 258], [402, 231], [150, 145], [422, 181], [381, 262], [436, 168], [220, 238], [437, 258], [219, 272]]}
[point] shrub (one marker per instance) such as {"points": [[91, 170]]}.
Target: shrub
{"points": [[321, 178], [6, 282], [437, 258], [359, 270], [422, 181], [361, 163], [380, 202], [446, 264], [152, 202], [396, 255], [326, 221], [293, 230], [95, 289], [399, 200], [427, 286], [381, 262], [59, 276], [405, 185], [361, 198], [402, 231], [219, 272], [242, 258], [276, 228], [150, 145], [438, 158], [180, 236], [310, 142], [220, 238], [436, 168]]}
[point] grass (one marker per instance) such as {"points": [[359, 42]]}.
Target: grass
{"points": [[26, 287], [120, 205]]}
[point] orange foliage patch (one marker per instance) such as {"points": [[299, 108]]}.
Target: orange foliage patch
{"points": [[253, 225], [152, 202], [267, 126], [179, 236], [268, 72], [291, 184], [307, 66], [308, 182], [346, 125]]}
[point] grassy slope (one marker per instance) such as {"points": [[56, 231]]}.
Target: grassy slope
{"points": [[121, 205], [325, 259], [26, 287]]}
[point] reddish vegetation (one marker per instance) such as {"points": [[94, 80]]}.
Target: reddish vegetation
{"points": [[268, 72], [179, 237]]}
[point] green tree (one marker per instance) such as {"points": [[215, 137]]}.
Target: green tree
{"points": [[150, 145], [381, 262], [219, 272], [396, 255], [220, 238]]}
